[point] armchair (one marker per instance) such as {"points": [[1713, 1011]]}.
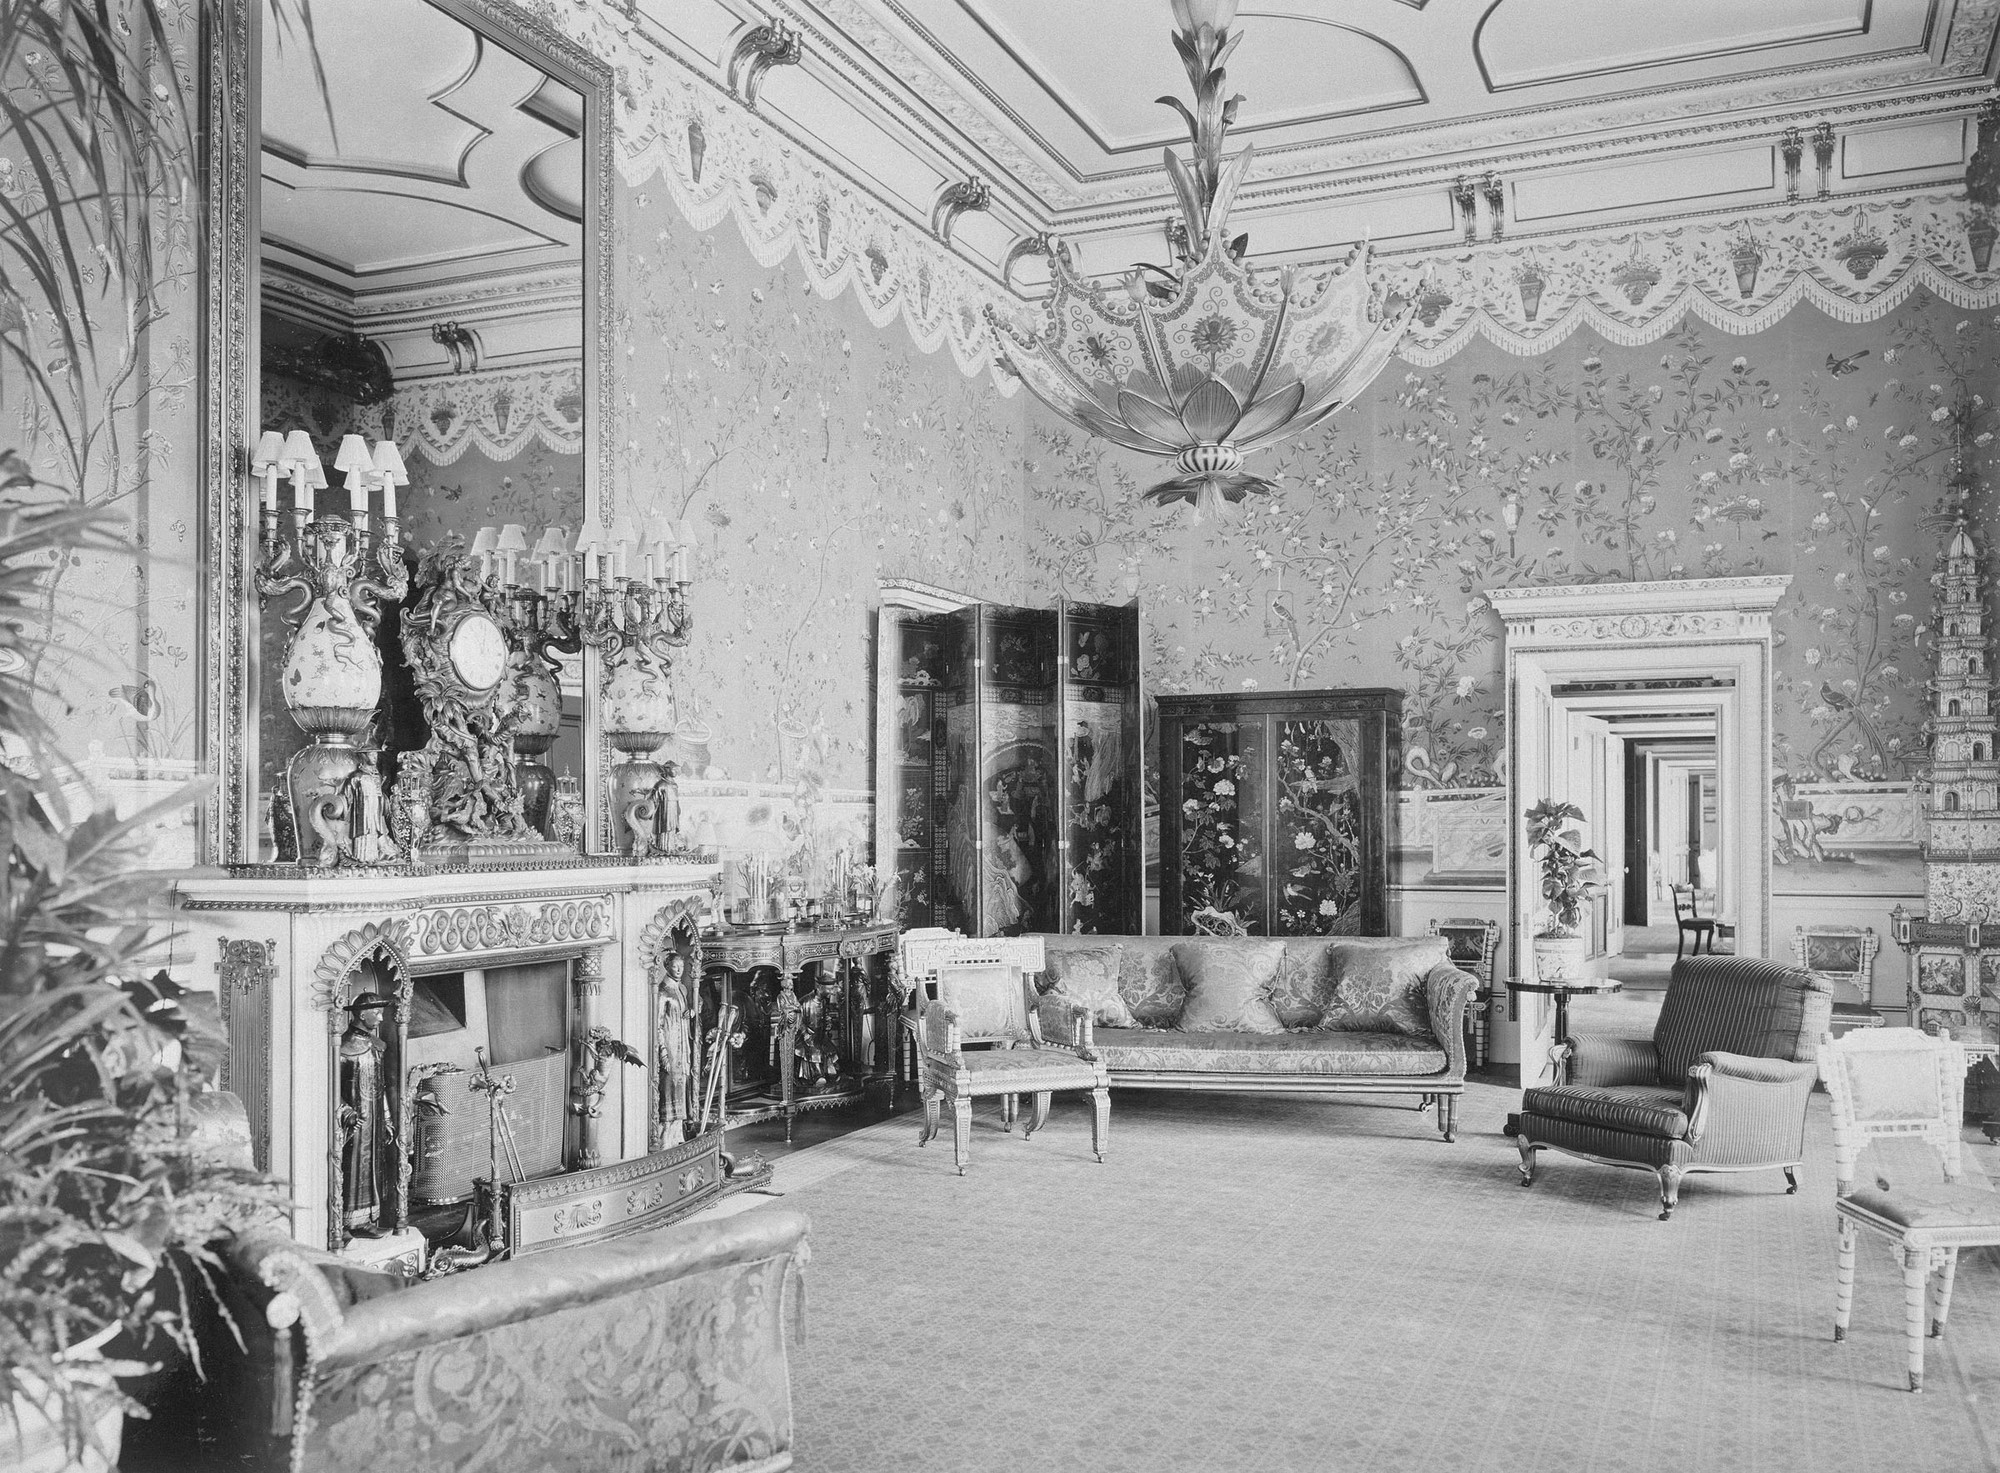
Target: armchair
{"points": [[1720, 1086], [997, 1004]]}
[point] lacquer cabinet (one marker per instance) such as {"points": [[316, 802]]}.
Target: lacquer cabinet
{"points": [[1275, 811]]}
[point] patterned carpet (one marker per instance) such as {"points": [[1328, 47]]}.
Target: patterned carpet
{"points": [[1269, 1284]]}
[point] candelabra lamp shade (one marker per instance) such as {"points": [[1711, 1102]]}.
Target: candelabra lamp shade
{"points": [[1210, 359]]}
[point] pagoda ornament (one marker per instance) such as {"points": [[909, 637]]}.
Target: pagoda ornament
{"points": [[1954, 947], [1210, 359]]}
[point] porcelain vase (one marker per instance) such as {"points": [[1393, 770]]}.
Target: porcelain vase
{"points": [[637, 712], [332, 684], [537, 721]]}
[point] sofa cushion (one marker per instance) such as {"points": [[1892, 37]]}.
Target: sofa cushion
{"points": [[1304, 984], [1315, 1052], [1633, 1109], [1379, 983], [1089, 975], [1226, 984], [1150, 981]]}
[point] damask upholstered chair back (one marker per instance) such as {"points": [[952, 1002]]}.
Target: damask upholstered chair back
{"points": [[1893, 1083], [992, 1000], [1738, 1005]]}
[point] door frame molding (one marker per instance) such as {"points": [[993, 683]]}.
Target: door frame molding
{"points": [[1697, 630]]}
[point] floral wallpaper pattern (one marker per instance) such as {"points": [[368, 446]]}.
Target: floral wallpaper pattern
{"points": [[1814, 448], [812, 453]]}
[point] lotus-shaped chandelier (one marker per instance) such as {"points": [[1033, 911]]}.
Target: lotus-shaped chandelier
{"points": [[1215, 359]]}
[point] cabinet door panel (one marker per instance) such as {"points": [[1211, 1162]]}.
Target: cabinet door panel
{"points": [[1222, 838], [1318, 835]]}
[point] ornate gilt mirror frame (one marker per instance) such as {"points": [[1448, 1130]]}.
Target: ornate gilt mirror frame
{"points": [[230, 285]]}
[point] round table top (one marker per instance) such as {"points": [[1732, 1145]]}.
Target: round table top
{"points": [[1582, 988]]}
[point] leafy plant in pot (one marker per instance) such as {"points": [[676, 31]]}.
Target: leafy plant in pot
{"points": [[107, 1200], [1571, 878]]}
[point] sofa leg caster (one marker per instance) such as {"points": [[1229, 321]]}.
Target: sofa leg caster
{"points": [[1791, 1181], [1528, 1162], [1839, 1333]]}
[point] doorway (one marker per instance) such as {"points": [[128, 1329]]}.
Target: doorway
{"points": [[1579, 659]]}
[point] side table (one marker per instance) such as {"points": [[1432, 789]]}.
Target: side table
{"points": [[1562, 992]]}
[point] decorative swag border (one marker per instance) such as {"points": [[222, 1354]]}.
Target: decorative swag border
{"points": [[1854, 260]]}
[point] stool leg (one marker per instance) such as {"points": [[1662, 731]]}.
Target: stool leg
{"points": [[1041, 1115], [1916, 1270], [1010, 1106], [1941, 1291], [1843, 1290]]}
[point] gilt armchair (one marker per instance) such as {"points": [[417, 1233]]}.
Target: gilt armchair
{"points": [[1900, 1083], [996, 1004], [1721, 1085]]}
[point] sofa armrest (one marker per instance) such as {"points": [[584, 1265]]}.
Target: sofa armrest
{"points": [[1743, 1110], [464, 1305], [1066, 1023], [1447, 990], [1604, 1060]]}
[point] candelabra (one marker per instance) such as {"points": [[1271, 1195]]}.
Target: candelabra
{"points": [[634, 623], [538, 625], [332, 678]]}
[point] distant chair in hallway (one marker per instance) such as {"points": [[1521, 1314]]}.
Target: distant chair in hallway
{"points": [[1903, 1083], [1470, 943], [1845, 957], [1721, 1085], [1702, 928]]}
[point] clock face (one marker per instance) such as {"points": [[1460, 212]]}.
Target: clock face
{"points": [[478, 652]]}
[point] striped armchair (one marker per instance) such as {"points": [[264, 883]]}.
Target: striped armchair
{"points": [[1720, 1086]]}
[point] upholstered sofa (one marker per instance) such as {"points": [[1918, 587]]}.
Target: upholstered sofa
{"points": [[1342, 1016], [663, 1350]]}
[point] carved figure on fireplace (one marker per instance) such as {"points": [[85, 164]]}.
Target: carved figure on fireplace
{"points": [[671, 1045], [368, 1134], [367, 810], [601, 1048]]}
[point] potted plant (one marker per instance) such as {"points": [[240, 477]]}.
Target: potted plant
{"points": [[106, 1203], [1571, 879]]}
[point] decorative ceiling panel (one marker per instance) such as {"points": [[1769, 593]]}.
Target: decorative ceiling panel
{"points": [[1054, 102], [456, 158]]}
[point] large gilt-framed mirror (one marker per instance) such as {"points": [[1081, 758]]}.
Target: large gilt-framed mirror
{"points": [[410, 240]]}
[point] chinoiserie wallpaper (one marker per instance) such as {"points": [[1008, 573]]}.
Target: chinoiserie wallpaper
{"points": [[812, 452], [1813, 447]]}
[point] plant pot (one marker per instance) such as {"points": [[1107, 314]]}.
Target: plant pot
{"points": [[1561, 958]]}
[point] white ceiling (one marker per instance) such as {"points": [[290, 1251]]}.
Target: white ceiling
{"points": [[1363, 112], [446, 156], [1074, 81]]}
